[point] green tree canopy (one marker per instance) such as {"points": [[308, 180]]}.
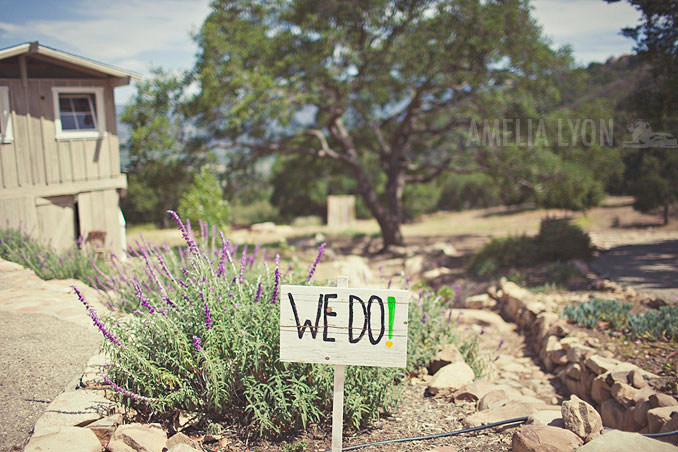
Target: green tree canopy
{"points": [[385, 88]]}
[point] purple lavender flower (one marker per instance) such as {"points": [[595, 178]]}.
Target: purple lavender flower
{"points": [[128, 393], [253, 258], [407, 283], [243, 259], [260, 289], [78, 243], [196, 342], [390, 280], [276, 285], [225, 245], [208, 317], [142, 299], [311, 268], [95, 318], [501, 342], [424, 318], [185, 233]]}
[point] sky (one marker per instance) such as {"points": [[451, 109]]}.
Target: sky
{"points": [[140, 34]]}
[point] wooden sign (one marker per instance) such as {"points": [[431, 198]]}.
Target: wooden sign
{"points": [[333, 325]]}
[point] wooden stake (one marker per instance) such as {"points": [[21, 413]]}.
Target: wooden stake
{"points": [[338, 401]]}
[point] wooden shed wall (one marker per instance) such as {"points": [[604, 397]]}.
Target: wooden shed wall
{"points": [[35, 158]]}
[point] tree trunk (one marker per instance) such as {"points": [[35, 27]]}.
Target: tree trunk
{"points": [[389, 218], [666, 214]]}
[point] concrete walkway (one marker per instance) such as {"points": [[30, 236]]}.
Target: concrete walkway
{"points": [[648, 267], [46, 339]]}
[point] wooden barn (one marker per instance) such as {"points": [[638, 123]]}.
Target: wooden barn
{"points": [[59, 158]]}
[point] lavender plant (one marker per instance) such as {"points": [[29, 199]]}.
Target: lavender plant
{"points": [[45, 261], [203, 337]]}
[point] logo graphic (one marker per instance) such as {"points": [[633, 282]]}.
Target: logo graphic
{"points": [[643, 137]]}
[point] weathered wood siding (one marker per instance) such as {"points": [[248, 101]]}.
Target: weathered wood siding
{"points": [[36, 158]]}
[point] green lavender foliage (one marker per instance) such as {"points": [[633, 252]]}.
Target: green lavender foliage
{"points": [[47, 263], [652, 324], [235, 374]]}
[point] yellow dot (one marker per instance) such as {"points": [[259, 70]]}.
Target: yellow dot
{"points": [[389, 344]]}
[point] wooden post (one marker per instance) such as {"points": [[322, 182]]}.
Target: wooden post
{"points": [[338, 401]]}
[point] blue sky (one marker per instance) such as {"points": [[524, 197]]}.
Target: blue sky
{"points": [[139, 34]]}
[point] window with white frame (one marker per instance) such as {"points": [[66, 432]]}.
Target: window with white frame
{"points": [[5, 116], [79, 112]]}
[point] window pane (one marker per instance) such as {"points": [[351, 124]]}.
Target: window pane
{"points": [[81, 104], [68, 122], [85, 121], [64, 104]]}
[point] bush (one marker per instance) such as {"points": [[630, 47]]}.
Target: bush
{"points": [[461, 191], [558, 240], [204, 338], [47, 263], [204, 201]]}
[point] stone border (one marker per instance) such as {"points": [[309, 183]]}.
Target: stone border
{"points": [[618, 390]]}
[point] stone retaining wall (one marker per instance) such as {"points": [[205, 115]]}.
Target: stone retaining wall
{"points": [[620, 391]]}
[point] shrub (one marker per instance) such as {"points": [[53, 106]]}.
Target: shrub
{"points": [[46, 262], [204, 335], [559, 240], [205, 201]]}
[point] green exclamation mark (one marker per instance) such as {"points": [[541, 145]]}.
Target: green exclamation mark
{"points": [[391, 319]]}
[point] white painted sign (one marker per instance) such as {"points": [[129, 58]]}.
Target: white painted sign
{"points": [[331, 325]]}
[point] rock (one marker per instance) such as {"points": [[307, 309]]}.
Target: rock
{"points": [[599, 364], [473, 392], [623, 393], [599, 390], [138, 438], [613, 377], [267, 226], [436, 273], [616, 440], [443, 449], [483, 318], [64, 439], [581, 418], [183, 448], [509, 410], [643, 394], [640, 412], [451, 377], [546, 417], [657, 417], [480, 301], [573, 370], [448, 355], [105, 427], [612, 413], [636, 379], [513, 298], [74, 408], [536, 438], [577, 353], [181, 439], [415, 265], [493, 399], [630, 424], [670, 426], [660, 400]]}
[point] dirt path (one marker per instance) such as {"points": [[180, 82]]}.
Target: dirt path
{"points": [[46, 340]]}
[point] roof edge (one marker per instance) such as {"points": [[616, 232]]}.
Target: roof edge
{"points": [[36, 47]]}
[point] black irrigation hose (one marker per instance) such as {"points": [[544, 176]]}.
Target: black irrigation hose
{"points": [[469, 430], [437, 435]]}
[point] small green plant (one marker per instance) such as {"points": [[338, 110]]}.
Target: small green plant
{"points": [[46, 262], [299, 446], [591, 312], [504, 252], [661, 324], [204, 201], [560, 240]]}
